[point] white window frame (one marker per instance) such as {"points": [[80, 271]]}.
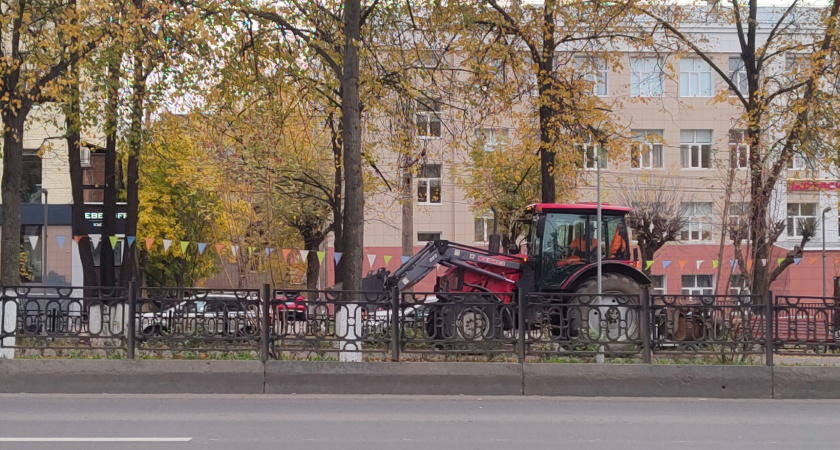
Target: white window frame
{"points": [[802, 162], [587, 154], [738, 214], [659, 290], [698, 226], [694, 289], [487, 224], [739, 150], [793, 220], [84, 156], [427, 114], [738, 76], [647, 76], [693, 147], [427, 183], [438, 233], [495, 138], [645, 151], [593, 70], [696, 78]]}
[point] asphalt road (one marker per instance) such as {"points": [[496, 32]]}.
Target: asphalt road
{"points": [[428, 423]]}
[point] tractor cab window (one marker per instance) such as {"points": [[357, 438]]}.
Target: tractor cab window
{"points": [[615, 234]]}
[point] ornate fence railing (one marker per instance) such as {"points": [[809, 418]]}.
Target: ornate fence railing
{"points": [[355, 326]]}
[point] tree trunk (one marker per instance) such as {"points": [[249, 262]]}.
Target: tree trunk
{"points": [[354, 200], [135, 142], [313, 266], [72, 121], [548, 152], [109, 203], [338, 200], [407, 213], [12, 169]]}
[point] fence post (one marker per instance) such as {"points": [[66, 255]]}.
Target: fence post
{"points": [[646, 325], [132, 316], [265, 331], [769, 345], [396, 325], [521, 325]]}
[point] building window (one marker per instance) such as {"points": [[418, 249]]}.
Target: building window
{"points": [[738, 75], [428, 119], [428, 185], [594, 71], [492, 138], [739, 150], [587, 154], [428, 236], [31, 254], [31, 179], [483, 229], [699, 221], [802, 162], [738, 216], [658, 285], [647, 77], [696, 149], [647, 150], [737, 285], [698, 284], [695, 78], [800, 216], [97, 252]]}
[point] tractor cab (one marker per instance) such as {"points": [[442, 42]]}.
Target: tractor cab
{"points": [[564, 239]]}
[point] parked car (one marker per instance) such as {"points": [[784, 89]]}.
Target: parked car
{"points": [[210, 316], [379, 322], [291, 307]]}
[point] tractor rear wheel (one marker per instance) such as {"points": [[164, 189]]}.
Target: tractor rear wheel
{"points": [[613, 316]]}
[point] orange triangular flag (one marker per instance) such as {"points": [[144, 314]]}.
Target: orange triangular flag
{"points": [[812, 260], [286, 252], [749, 264], [682, 264], [149, 242], [79, 239], [837, 260], [219, 248]]}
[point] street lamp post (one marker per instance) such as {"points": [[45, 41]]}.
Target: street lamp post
{"points": [[598, 225], [827, 209]]}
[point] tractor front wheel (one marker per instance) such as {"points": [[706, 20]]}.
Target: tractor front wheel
{"points": [[614, 315]]}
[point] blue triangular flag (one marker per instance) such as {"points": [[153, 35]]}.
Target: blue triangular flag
{"points": [[60, 240], [665, 264], [201, 247], [796, 260], [130, 240], [337, 257], [404, 259], [267, 251]]}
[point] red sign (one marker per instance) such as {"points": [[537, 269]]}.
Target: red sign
{"points": [[804, 185]]}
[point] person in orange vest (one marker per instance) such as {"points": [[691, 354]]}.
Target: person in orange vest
{"points": [[618, 245]]}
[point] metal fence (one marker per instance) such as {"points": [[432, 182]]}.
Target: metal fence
{"points": [[356, 326]]}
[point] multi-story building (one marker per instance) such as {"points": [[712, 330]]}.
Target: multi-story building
{"points": [[686, 137]]}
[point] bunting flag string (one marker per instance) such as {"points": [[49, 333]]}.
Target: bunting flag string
{"points": [[286, 254], [796, 260], [715, 263], [337, 257], [234, 249], [267, 251], [404, 259], [33, 241], [387, 259], [780, 261], [220, 248], [303, 254], [320, 257], [77, 239], [201, 247], [665, 264], [251, 250], [166, 244], [95, 240], [149, 242], [130, 240], [184, 245], [648, 264], [371, 259], [113, 240], [700, 263], [749, 264], [812, 260], [764, 262], [682, 264], [60, 240]]}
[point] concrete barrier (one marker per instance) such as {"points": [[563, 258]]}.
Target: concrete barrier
{"points": [[632, 380], [806, 382], [288, 377], [73, 376]]}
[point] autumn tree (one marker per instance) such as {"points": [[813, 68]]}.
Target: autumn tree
{"points": [[39, 42], [788, 57]]}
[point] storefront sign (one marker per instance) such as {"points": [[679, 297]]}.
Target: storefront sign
{"points": [[812, 185], [93, 219]]}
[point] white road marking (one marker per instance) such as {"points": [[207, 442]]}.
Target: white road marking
{"points": [[95, 439]]}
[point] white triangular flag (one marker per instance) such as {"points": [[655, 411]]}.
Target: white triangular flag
{"points": [[166, 244], [94, 239], [233, 249], [763, 262], [371, 260], [33, 240], [699, 263], [304, 254]]}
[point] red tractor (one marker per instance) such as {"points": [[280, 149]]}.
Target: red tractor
{"points": [[558, 255]]}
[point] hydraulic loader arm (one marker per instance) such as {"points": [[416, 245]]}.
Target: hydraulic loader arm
{"points": [[445, 253]]}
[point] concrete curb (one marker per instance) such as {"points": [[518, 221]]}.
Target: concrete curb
{"points": [[806, 382], [283, 377], [131, 377], [632, 380]]}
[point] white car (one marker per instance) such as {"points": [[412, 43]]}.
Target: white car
{"points": [[212, 316]]}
